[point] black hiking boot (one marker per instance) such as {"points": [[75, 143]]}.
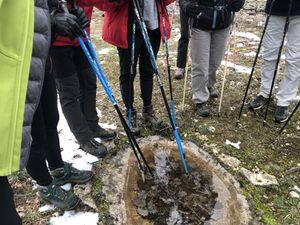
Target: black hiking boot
{"points": [[105, 135], [281, 114], [257, 103], [150, 118], [213, 93], [69, 174], [53, 193], [133, 124], [202, 109], [94, 148]]}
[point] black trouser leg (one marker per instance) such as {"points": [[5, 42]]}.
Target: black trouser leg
{"points": [[36, 166], [146, 68], [183, 41], [69, 94], [51, 117], [88, 87], [8, 213], [126, 79], [68, 62]]}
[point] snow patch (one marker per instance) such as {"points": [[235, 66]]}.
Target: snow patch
{"points": [[248, 35], [46, 208], [236, 145], [75, 218], [104, 51], [238, 68]]}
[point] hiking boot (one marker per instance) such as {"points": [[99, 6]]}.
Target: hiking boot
{"points": [[257, 103], [133, 125], [202, 109], [57, 196], [105, 135], [213, 93], [69, 174], [151, 119], [179, 73], [281, 114], [94, 148]]}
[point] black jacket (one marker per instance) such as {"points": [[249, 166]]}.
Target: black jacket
{"points": [[280, 7], [41, 44], [214, 14]]}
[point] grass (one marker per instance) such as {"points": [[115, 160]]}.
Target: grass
{"points": [[261, 147]]}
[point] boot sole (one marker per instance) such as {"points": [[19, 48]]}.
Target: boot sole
{"points": [[281, 121]]}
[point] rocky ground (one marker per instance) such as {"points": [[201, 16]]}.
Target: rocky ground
{"points": [[265, 163]]}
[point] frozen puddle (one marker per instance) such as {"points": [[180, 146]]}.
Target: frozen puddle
{"points": [[208, 195]]}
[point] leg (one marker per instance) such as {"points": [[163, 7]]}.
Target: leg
{"points": [[126, 79], [36, 166], [88, 86], [217, 51], [183, 41], [272, 41], [8, 213], [200, 50], [289, 85], [69, 92], [146, 68], [51, 117]]}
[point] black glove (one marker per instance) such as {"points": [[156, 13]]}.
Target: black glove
{"points": [[235, 5], [66, 24], [192, 9], [81, 17]]}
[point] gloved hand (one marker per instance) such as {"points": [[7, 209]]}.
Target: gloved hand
{"points": [[81, 17], [192, 9], [66, 24], [235, 5]]}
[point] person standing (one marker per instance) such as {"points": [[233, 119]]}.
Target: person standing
{"points": [[76, 84], [183, 43], [210, 25], [22, 64], [289, 85], [118, 30]]}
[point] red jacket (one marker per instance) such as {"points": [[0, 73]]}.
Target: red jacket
{"points": [[114, 30], [87, 6]]}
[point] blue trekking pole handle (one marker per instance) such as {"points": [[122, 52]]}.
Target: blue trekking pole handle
{"points": [[153, 62]]}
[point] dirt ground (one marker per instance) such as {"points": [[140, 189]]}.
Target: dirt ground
{"points": [[261, 148]]}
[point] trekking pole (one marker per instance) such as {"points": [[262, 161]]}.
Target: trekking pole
{"points": [[168, 61], [224, 76], [131, 80], [290, 117], [286, 27], [145, 35], [95, 64], [254, 64]]}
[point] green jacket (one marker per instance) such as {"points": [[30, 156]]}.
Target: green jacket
{"points": [[16, 40]]}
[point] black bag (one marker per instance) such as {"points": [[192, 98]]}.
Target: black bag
{"points": [[213, 17]]}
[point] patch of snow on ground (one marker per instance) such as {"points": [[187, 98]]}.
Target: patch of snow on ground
{"points": [[108, 126], [248, 35], [104, 51], [238, 68], [236, 145], [75, 218], [46, 208]]}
